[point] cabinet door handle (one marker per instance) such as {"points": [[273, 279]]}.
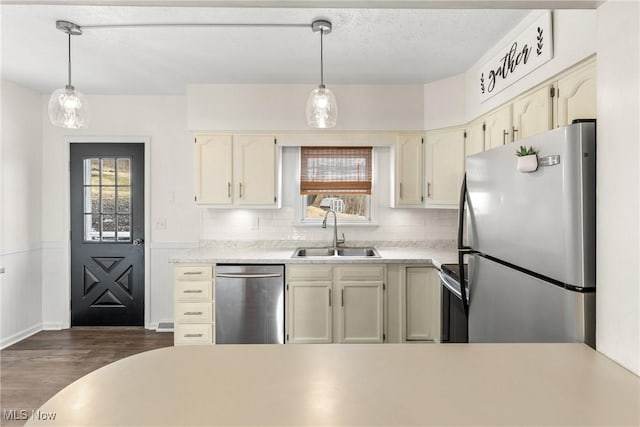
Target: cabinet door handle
{"points": [[241, 190], [401, 191], [228, 189], [342, 297], [193, 313], [193, 291], [428, 190], [504, 137], [192, 273], [192, 335], [514, 130], [329, 297]]}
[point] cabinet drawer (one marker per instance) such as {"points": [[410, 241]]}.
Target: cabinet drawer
{"points": [[194, 312], [308, 273], [192, 334], [193, 290], [361, 272], [193, 272]]}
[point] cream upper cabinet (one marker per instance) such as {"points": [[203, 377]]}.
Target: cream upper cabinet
{"points": [[444, 166], [422, 304], [214, 169], [474, 138], [498, 128], [256, 156], [576, 95], [236, 170], [408, 171], [532, 113]]}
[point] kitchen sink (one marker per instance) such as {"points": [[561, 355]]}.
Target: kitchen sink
{"points": [[308, 252], [368, 252]]}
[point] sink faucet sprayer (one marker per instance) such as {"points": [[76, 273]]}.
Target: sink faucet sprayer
{"points": [[336, 241]]}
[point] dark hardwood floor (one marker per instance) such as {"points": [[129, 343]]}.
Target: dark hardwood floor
{"points": [[35, 369]]}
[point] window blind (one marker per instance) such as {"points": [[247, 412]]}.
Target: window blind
{"points": [[335, 170]]}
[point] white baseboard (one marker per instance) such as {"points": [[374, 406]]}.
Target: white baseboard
{"points": [[52, 326], [6, 342]]}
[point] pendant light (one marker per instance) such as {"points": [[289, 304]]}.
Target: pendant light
{"points": [[68, 108], [322, 109]]}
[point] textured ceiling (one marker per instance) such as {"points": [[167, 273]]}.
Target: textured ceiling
{"points": [[365, 46]]}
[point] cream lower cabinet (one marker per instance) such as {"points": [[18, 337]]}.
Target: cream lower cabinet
{"points": [[236, 171], [342, 304], [422, 314], [193, 308], [361, 311], [309, 313], [444, 166]]}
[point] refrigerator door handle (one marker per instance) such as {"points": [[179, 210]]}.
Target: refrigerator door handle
{"points": [[463, 280], [462, 249], [461, 206]]}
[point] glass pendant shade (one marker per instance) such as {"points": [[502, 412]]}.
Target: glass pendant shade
{"points": [[69, 109], [322, 109]]}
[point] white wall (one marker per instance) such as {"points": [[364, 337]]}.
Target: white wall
{"points": [[429, 226], [618, 213], [282, 107], [20, 214], [444, 102], [163, 120]]}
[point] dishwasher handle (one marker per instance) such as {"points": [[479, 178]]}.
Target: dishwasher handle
{"points": [[248, 276]]}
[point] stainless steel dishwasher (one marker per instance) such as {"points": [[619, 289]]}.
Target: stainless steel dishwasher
{"points": [[249, 304]]}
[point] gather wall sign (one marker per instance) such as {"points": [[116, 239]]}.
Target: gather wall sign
{"points": [[531, 48]]}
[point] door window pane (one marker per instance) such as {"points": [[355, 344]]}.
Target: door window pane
{"points": [[92, 227], [124, 168], [108, 171], [124, 228], [92, 172], [108, 228], [108, 199], [92, 199], [124, 200]]}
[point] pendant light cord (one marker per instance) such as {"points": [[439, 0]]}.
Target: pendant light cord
{"points": [[69, 85], [321, 59]]}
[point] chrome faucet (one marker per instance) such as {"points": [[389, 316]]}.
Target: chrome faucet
{"points": [[336, 241]]}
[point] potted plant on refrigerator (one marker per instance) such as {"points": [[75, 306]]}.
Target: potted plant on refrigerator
{"points": [[527, 159]]}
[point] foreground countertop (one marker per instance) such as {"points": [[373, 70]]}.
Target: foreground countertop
{"points": [[331, 384], [389, 255]]}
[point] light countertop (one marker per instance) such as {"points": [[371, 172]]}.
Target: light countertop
{"points": [[366, 384], [389, 255]]}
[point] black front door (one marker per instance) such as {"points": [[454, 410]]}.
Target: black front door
{"points": [[107, 232]]}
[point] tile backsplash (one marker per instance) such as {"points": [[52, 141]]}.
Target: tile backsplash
{"points": [[280, 224]]}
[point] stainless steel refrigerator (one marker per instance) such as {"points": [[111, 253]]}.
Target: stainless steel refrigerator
{"points": [[531, 240]]}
